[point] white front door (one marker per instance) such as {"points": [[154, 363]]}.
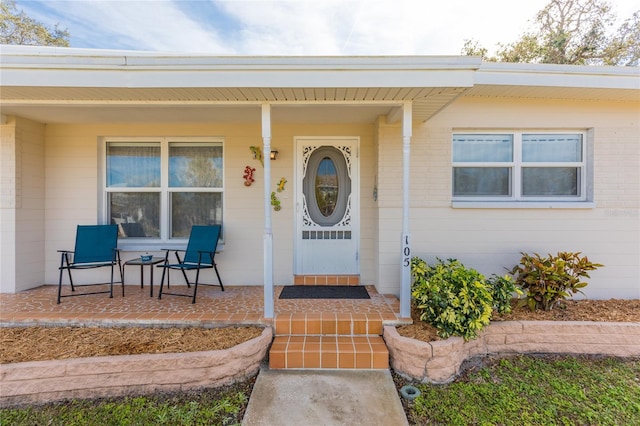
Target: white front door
{"points": [[327, 209]]}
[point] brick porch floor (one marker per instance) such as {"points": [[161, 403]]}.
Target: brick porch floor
{"points": [[236, 305]]}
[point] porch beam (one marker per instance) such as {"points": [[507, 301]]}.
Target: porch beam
{"points": [[268, 232], [405, 280], [8, 101], [396, 114]]}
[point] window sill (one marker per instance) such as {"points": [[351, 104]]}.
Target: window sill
{"points": [[523, 205]]}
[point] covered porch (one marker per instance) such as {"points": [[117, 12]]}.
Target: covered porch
{"points": [[270, 103]]}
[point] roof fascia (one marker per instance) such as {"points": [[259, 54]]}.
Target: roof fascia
{"points": [[59, 67], [548, 75], [36, 66], [70, 58], [235, 78]]}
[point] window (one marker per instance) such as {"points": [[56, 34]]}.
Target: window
{"points": [[519, 166], [158, 189]]}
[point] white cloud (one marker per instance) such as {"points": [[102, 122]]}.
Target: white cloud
{"points": [[293, 27]]}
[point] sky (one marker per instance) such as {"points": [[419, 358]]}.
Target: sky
{"points": [[292, 27]]}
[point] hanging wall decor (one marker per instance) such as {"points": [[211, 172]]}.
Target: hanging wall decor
{"points": [[281, 184], [248, 175], [257, 153], [275, 202]]}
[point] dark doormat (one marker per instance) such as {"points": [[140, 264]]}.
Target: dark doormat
{"points": [[324, 292]]}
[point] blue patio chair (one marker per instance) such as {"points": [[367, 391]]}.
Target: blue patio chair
{"points": [[96, 247], [200, 254]]}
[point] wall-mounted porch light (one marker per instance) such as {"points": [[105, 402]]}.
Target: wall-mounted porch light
{"points": [[274, 154]]}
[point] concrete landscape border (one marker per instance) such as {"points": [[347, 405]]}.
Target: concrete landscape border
{"points": [[440, 361], [427, 362], [39, 382]]}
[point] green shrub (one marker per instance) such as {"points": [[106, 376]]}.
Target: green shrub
{"points": [[548, 280], [502, 291], [454, 299]]}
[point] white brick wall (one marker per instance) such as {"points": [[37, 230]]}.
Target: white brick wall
{"points": [[21, 205], [8, 201], [492, 239]]}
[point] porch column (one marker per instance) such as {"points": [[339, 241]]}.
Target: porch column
{"points": [[268, 233], [405, 281]]}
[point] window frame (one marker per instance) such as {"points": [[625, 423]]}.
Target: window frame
{"points": [[516, 165], [165, 190]]}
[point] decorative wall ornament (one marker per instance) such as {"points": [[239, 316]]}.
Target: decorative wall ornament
{"points": [[257, 154], [275, 202], [281, 184], [248, 175]]}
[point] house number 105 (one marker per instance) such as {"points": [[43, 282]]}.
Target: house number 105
{"points": [[406, 251]]}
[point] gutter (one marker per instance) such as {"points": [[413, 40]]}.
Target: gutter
{"points": [[550, 75]]}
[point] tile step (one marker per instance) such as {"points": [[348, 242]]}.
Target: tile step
{"points": [[318, 352], [328, 323], [326, 279]]}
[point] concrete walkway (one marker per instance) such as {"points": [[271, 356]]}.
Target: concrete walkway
{"points": [[324, 397]]}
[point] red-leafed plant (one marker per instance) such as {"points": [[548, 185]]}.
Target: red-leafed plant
{"points": [[548, 280]]}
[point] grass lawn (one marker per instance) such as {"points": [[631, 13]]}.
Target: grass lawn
{"points": [[530, 390], [519, 390], [219, 406]]}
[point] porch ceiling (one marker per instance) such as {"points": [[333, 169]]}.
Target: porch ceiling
{"points": [[217, 104], [242, 105], [153, 113]]}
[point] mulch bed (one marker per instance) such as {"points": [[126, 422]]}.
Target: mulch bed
{"points": [[612, 310], [20, 344]]}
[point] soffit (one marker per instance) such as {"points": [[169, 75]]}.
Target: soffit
{"points": [[218, 94], [108, 104]]}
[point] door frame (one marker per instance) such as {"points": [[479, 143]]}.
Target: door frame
{"points": [[355, 196]]}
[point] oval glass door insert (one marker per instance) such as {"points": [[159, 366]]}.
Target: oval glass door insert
{"points": [[327, 187]]}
